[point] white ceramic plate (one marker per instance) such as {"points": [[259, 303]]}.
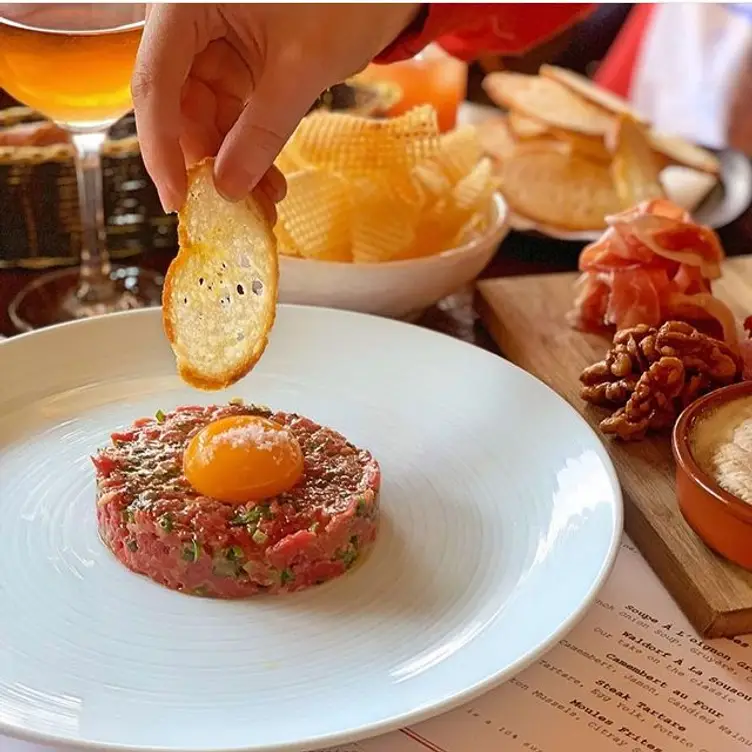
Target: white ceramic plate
{"points": [[501, 519]]}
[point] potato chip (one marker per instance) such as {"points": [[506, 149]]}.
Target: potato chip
{"points": [[525, 127], [634, 169], [370, 191], [548, 101], [585, 88], [285, 244], [458, 152], [355, 145], [409, 188], [289, 160], [474, 228], [474, 190], [383, 226], [316, 215], [435, 230], [220, 292], [432, 179], [677, 150], [563, 190]]}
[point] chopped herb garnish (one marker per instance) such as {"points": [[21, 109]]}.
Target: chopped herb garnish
{"points": [[223, 566], [286, 576], [160, 416], [237, 401], [314, 528], [165, 522], [252, 516], [234, 553], [191, 551], [128, 515], [131, 544], [362, 507], [350, 553], [247, 517], [259, 537]]}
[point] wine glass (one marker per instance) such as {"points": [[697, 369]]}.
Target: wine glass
{"points": [[73, 62]]}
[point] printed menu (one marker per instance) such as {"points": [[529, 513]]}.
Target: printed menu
{"points": [[632, 676]]}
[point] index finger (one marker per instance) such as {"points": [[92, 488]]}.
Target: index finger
{"points": [[164, 58]]}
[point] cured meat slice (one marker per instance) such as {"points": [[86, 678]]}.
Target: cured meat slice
{"points": [[652, 264]]}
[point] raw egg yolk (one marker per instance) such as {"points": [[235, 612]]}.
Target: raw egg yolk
{"points": [[243, 458]]}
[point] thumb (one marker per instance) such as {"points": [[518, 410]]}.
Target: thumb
{"points": [[164, 59], [268, 119]]}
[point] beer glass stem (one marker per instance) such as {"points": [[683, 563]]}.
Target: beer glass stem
{"points": [[95, 284]]}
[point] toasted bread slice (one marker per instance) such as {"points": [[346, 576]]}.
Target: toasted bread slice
{"points": [[585, 88], [635, 169], [563, 190], [547, 101], [677, 150], [220, 294]]}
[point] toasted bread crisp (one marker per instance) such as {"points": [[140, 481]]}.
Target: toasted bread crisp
{"points": [[635, 169], [548, 102], [677, 150], [525, 127], [585, 88], [496, 138], [220, 293], [562, 190]]}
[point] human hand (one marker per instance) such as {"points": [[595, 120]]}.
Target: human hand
{"points": [[234, 80]]}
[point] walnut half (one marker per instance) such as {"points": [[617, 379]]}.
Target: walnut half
{"points": [[650, 375]]}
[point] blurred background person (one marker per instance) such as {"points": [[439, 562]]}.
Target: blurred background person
{"points": [[687, 68]]}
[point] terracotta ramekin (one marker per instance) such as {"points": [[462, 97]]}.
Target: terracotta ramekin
{"points": [[723, 521]]}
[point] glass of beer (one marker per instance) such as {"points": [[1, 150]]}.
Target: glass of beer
{"points": [[72, 62]]}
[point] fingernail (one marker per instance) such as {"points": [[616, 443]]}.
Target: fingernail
{"points": [[277, 184], [168, 199], [234, 187]]}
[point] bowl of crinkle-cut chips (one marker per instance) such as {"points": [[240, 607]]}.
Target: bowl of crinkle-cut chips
{"points": [[384, 216]]}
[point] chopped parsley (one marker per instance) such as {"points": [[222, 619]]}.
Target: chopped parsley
{"points": [[361, 508], [348, 554], [165, 522], [286, 576], [259, 537], [229, 563], [160, 416], [234, 553], [192, 551], [252, 516]]}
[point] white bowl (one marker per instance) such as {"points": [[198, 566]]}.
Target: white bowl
{"points": [[398, 289]]}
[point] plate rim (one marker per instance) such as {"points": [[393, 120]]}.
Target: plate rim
{"points": [[407, 718]]}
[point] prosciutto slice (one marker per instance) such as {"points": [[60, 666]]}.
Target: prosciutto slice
{"points": [[652, 264]]}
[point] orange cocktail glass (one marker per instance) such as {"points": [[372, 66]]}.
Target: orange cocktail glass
{"points": [[73, 62], [432, 77]]}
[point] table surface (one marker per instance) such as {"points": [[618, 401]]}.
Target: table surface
{"points": [[519, 254]]}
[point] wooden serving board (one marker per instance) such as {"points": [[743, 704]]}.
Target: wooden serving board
{"points": [[526, 317]]}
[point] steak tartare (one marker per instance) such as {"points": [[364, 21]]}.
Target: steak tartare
{"points": [[158, 525]]}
